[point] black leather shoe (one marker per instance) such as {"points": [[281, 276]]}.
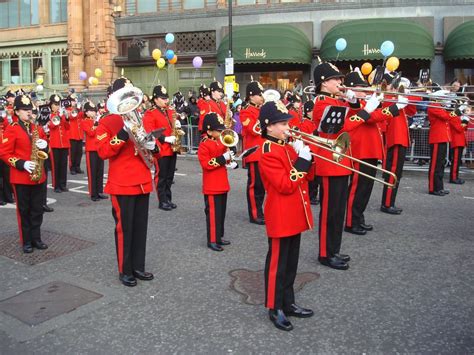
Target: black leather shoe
{"points": [[173, 205], [58, 190], [355, 230], [128, 280], [278, 317], [457, 181], [79, 171], [390, 210], [102, 196], [314, 201], [46, 208], [298, 312], [64, 189], [344, 257], [73, 172], [367, 227], [143, 275], [446, 192], [437, 193], [95, 198], [334, 263], [39, 245], [215, 247], [27, 248], [259, 221], [223, 242], [165, 206]]}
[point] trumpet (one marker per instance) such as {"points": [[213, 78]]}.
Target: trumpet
{"points": [[338, 147], [229, 138]]}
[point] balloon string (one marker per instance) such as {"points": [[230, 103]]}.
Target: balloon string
{"points": [[337, 57]]}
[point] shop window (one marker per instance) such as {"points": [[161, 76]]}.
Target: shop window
{"points": [[18, 13], [145, 6], [19, 69], [195, 74], [193, 4], [277, 80], [245, 2], [58, 11], [59, 69], [465, 76]]}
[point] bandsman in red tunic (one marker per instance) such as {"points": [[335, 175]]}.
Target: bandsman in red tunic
{"points": [[203, 104], [129, 184], [16, 150], [216, 104], [215, 158], [251, 134], [458, 142], [6, 193], [10, 97], [294, 109], [284, 171], [76, 135]]}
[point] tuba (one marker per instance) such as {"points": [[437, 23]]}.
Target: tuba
{"points": [[124, 102], [37, 156]]}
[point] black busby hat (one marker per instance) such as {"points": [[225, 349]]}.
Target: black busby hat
{"points": [[110, 90], [292, 98], [160, 91], [121, 83], [388, 77], [216, 86], [355, 78], [54, 99], [308, 107], [253, 88], [325, 71], [213, 122], [89, 106], [22, 102], [9, 94], [272, 112], [204, 91], [72, 97], [100, 105]]}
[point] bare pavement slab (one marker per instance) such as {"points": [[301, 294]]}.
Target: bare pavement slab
{"points": [[409, 288]]}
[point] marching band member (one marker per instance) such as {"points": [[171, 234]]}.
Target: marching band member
{"points": [[6, 194], [216, 104], [76, 135], [215, 158], [161, 116], [16, 149], [251, 134], [203, 104], [10, 97], [95, 165], [58, 126], [129, 184], [284, 169], [294, 109], [458, 126]]}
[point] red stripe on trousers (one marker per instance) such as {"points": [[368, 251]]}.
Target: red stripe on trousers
{"points": [[53, 172], [70, 157], [454, 164], [118, 212], [432, 168], [89, 176], [253, 205], [212, 219], [272, 272], [324, 216], [352, 192], [155, 177], [18, 217], [393, 169]]}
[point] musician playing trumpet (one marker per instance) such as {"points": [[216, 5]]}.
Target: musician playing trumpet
{"points": [[21, 144]]}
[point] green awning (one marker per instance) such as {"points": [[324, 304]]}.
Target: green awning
{"points": [[364, 37], [460, 42], [266, 44]]}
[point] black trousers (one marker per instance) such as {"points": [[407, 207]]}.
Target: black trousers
{"points": [[436, 171], [75, 155], [130, 213], [165, 177], [360, 189], [281, 266], [29, 209], [455, 155], [394, 162], [255, 191], [6, 193], [59, 167], [215, 208], [95, 173], [333, 197], [47, 167], [313, 189]]}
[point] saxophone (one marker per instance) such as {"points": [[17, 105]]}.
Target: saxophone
{"points": [[37, 156], [229, 120], [177, 132]]}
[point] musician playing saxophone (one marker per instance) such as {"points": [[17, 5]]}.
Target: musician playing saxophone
{"points": [[21, 144]]}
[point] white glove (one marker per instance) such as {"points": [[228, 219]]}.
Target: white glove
{"points": [[297, 144], [351, 96], [46, 128], [305, 153], [228, 155], [41, 144], [177, 124], [231, 165], [372, 103], [465, 119], [170, 139], [9, 119], [150, 145], [462, 108], [402, 102], [29, 166]]}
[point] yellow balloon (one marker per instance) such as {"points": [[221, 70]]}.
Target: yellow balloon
{"points": [[98, 72], [95, 81], [392, 63], [174, 59], [366, 68], [156, 54], [90, 80], [39, 81], [370, 79], [160, 63]]}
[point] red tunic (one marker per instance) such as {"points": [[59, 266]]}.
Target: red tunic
{"points": [[90, 131], [458, 132], [214, 172], [204, 108], [295, 121], [59, 135], [287, 208], [218, 107], [251, 131], [439, 118], [128, 174], [15, 150], [160, 118], [397, 123], [75, 129]]}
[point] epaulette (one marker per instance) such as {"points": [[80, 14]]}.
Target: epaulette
{"points": [[266, 147], [204, 139], [13, 124], [245, 105]]}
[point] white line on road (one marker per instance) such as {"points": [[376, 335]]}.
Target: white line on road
{"points": [[469, 198]]}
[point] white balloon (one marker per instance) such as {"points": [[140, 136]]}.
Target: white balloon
{"points": [[39, 88]]}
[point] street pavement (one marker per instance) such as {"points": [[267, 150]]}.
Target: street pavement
{"points": [[409, 288]]}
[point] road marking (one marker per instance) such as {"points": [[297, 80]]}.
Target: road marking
{"points": [[469, 198], [12, 206]]}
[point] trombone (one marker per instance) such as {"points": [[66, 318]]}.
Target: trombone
{"points": [[338, 147]]}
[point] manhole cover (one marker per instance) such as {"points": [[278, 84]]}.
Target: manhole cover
{"points": [[250, 284], [59, 245], [45, 302]]}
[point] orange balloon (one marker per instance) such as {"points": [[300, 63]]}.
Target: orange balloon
{"points": [[174, 59], [366, 68], [392, 63], [370, 79]]}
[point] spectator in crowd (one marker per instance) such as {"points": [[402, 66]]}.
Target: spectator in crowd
{"points": [[193, 111]]}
